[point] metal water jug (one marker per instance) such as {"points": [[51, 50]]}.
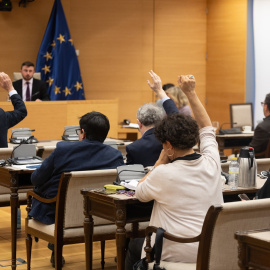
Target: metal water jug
{"points": [[247, 168]]}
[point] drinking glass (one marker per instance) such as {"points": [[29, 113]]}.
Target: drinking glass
{"points": [[215, 125]]}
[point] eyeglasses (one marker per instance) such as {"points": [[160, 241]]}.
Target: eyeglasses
{"points": [[78, 131], [262, 103]]}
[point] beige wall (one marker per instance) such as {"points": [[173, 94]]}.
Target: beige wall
{"points": [[120, 41]]}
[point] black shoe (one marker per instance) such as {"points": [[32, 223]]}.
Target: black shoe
{"points": [[53, 261]]}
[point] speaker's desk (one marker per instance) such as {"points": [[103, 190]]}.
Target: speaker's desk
{"points": [[48, 118]]}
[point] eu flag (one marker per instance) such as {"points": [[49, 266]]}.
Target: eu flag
{"points": [[57, 60]]}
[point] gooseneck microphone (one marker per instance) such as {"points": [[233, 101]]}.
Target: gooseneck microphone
{"points": [[20, 131], [22, 142]]}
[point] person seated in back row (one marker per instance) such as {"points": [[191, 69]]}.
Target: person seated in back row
{"points": [[89, 153], [146, 150]]}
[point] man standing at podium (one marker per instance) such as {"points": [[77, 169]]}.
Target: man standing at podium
{"points": [[11, 118], [28, 88]]}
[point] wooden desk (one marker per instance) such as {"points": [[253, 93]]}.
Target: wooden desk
{"points": [[116, 208], [254, 249], [14, 179], [131, 134], [232, 141]]}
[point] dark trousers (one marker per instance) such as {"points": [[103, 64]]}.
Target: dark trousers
{"points": [[134, 252]]}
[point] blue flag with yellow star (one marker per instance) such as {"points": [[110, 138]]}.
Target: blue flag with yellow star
{"points": [[57, 60]]}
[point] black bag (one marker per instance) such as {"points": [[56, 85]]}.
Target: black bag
{"points": [[142, 264]]}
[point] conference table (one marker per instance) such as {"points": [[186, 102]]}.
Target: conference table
{"points": [[254, 249], [119, 208], [232, 141], [16, 179]]}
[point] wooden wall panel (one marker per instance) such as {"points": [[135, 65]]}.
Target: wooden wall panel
{"points": [[180, 41], [226, 64], [120, 41]]}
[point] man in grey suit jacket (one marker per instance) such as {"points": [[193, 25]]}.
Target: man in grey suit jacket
{"points": [[11, 118], [37, 88]]}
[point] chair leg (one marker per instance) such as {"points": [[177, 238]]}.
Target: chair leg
{"points": [[58, 251], [102, 253], [28, 241]]}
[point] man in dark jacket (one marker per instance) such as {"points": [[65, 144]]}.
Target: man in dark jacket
{"points": [[146, 150], [11, 118], [262, 131], [29, 88]]}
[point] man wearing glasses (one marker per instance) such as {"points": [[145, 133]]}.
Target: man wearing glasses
{"points": [[262, 131], [89, 153]]}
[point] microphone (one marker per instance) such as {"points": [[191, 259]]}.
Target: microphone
{"points": [[20, 131], [231, 123], [23, 134], [10, 160], [235, 130]]}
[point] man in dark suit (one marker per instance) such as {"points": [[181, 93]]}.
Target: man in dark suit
{"points": [[262, 131], [89, 153], [146, 150], [28, 88], [11, 118]]}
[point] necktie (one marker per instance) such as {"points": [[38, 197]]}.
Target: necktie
{"points": [[27, 92]]}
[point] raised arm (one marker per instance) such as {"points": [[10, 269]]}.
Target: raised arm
{"points": [[156, 85], [187, 84]]}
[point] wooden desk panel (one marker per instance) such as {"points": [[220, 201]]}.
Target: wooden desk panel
{"points": [[48, 118]]}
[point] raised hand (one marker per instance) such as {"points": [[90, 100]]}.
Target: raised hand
{"points": [[187, 83], [156, 85], [5, 82]]}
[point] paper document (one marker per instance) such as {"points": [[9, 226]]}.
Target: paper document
{"points": [[132, 184], [131, 125]]}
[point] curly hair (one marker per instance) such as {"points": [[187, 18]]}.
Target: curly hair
{"points": [[180, 130], [150, 114], [178, 96]]}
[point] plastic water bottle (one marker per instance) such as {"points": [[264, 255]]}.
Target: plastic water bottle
{"points": [[233, 174]]}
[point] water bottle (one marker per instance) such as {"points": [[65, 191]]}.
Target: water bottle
{"points": [[233, 174]]}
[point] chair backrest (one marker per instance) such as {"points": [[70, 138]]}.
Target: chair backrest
{"points": [[218, 248], [241, 114], [18, 76], [69, 204], [264, 154]]}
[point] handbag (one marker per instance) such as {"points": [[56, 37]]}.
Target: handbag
{"points": [[142, 264]]}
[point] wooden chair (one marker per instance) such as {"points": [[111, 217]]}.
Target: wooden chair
{"points": [[264, 154], [263, 164], [217, 246], [69, 217], [241, 114]]}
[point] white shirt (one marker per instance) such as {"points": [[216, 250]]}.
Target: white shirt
{"points": [[182, 192], [24, 87]]}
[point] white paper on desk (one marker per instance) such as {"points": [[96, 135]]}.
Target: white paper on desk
{"points": [[131, 125], [24, 167], [132, 184]]}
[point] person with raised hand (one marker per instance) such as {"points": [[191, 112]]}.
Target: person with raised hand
{"points": [[183, 183], [11, 118]]}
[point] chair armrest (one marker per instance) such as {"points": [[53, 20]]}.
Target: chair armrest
{"points": [[152, 229], [31, 193]]}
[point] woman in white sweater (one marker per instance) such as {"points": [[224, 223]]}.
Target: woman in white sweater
{"points": [[183, 184]]}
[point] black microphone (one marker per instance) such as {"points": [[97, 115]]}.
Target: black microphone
{"points": [[10, 160], [232, 123]]}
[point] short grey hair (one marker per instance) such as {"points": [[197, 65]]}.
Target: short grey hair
{"points": [[150, 114]]}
